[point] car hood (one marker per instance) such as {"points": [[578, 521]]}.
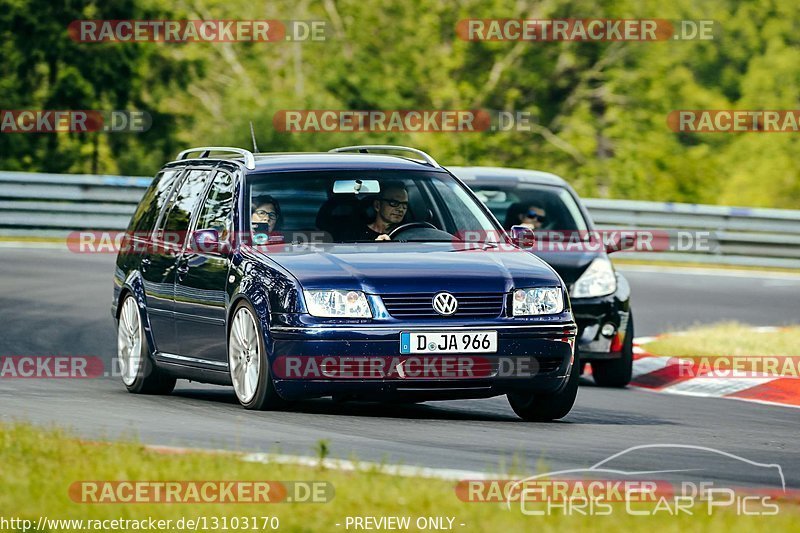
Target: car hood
{"points": [[400, 268], [569, 264]]}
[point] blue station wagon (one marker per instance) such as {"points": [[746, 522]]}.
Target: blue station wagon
{"points": [[364, 273]]}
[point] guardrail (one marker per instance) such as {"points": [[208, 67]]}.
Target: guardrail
{"points": [[52, 205], [743, 236]]}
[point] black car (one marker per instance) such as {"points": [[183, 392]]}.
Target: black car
{"points": [[271, 273], [567, 239]]}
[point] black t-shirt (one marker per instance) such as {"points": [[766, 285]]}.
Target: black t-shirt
{"points": [[365, 233]]}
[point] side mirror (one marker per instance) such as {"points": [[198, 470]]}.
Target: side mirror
{"points": [[522, 236], [208, 241], [619, 241]]}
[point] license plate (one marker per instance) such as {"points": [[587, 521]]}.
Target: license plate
{"points": [[449, 342]]}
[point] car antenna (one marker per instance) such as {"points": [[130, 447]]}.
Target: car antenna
{"points": [[253, 136]]}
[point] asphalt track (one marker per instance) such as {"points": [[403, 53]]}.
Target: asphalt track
{"points": [[53, 302]]}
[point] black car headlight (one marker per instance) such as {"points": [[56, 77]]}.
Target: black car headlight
{"points": [[597, 280]]}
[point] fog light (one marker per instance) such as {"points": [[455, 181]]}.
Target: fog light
{"points": [[608, 329]]}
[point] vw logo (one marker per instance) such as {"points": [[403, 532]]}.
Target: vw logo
{"points": [[445, 303]]}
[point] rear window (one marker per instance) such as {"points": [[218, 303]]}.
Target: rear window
{"points": [[184, 201], [144, 219], [218, 208]]}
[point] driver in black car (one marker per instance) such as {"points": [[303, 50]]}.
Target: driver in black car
{"points": [[265, 218], [391, 208]]}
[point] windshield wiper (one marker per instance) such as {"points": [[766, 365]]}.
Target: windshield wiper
{"points": [[424, 240], [469, 246]]}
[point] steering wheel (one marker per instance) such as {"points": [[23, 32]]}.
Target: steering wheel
{"points": [[410, 225]]}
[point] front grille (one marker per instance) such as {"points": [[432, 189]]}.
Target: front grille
{"points": [[548, 365], [420, 305]]}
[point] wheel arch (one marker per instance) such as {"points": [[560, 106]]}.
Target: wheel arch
{"points": [[134, 286], [257, 300]]}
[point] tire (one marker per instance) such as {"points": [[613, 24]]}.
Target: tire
{"points": [[139, 374], [549, 406], [616, 372], [248, 362]]}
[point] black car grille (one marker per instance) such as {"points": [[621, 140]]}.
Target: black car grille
{"points": [[548, 365], [420, 305]]}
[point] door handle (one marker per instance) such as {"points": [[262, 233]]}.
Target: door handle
{"points": [[183, 268]]}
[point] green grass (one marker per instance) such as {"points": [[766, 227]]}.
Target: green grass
{"points": [[727, 338], [687, 264], [33, 239], [38, 466]]}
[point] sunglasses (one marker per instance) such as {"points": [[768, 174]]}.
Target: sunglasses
{"points": [[268, 214], [395, 203], [535, 216]]}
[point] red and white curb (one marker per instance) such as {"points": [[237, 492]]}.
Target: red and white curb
{"points": [[663, 374]]}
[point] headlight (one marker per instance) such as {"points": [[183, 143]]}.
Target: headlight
{"points": [[337, 304], [598, 280], [540, 301]]}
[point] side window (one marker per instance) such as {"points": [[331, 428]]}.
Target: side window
{"points": [[458, 206], [497, 200], [176, 221], [217, 210], [153, 200]]}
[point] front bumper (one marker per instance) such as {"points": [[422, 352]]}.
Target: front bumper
{"points": [[547, 348], [591, 314]]}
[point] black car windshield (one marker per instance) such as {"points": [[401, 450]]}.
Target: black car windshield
{"points": [[359, 206], [544, 208]]}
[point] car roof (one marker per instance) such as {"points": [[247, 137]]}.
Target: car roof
{"points": [[506, 176], [302, 161]]}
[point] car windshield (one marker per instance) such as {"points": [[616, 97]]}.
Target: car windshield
{"points": [[357, 206], [546, 208]]}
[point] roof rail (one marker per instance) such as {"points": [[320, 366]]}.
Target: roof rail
{"points": [[249, 160], [367, 148]]}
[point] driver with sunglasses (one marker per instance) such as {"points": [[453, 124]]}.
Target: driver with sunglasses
{"points": [[391, 208], [533, 217]]}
